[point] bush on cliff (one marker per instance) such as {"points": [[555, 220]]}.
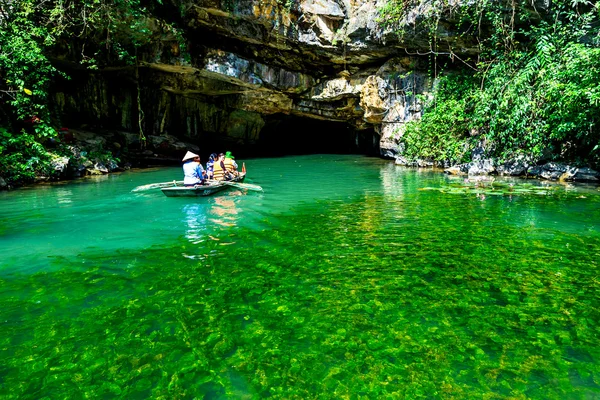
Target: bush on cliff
{"points": [[536, 90], [92, 30]]}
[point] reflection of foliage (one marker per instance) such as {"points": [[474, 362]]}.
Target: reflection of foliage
{"points": [[495, 188], [423, 300]]}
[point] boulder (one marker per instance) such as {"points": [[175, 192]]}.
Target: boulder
{"points": [[401, 160], [481, 167], [563, 172], [551, 171], [568, 173], [514, 167], [59, 164], [478, 152], [423, 163], [111, 165], [101, 167], [586, 175], [457, 170]]}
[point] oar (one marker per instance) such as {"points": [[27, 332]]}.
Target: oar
{"points": [[241, 185], [157, 186]]}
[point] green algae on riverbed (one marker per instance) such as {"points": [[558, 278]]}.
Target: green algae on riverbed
{"points": [[482, 186], [378, 297]]}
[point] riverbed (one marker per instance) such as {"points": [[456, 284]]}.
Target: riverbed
{"points": [[347, 277]]}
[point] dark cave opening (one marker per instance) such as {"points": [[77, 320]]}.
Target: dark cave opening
{"points": [[285, 135]]}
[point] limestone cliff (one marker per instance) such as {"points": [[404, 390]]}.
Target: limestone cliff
{"points": [[247, 65]]}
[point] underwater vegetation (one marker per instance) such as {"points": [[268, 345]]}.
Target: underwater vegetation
{"points": [[420, 295]]}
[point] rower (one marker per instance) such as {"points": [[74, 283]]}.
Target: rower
{"points": [[193, 172]]}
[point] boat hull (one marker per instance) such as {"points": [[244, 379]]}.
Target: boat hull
{"points": [[201, 190]]}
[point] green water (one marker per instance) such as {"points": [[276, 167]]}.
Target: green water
{"points": [[348, 277]]}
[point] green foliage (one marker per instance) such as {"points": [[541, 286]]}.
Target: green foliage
{"points": [[442, 133], [536, 90], [21, 156], [25, 73], [288, 4], [103, 156], [96, 31], [542, 100]]}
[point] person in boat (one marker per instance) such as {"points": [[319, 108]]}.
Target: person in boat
{"points": [[230, 162], [219, 168], [210, 166], [223, 169], [230, 165], [193, 172]]}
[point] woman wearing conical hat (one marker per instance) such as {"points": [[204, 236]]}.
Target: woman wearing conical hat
{"points": [[193, 172]]}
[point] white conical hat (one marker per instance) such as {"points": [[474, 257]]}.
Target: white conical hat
{"points": [[189, 155]]}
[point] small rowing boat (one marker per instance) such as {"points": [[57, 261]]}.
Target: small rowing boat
{"points": [[210, 188], [177, 188]]}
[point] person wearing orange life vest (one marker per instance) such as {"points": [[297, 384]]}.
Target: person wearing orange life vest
{"points": [[219, 168], [230, 164], [224, 168]]}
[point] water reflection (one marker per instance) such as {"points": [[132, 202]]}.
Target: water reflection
{"points": [[64, 196], [224, 211], [211, 218], [195, 218], [388, 175]]}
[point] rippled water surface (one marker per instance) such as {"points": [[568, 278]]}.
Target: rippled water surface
{"points": [[348, 277]]}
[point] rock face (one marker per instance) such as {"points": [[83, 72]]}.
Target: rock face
{"points": [[250, 62], [562, 172]]}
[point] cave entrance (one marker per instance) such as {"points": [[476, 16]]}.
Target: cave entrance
{"points": [[289, 135]]}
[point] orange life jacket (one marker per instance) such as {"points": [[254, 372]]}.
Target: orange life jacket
{"points": [[218, 172], [229, 165]]}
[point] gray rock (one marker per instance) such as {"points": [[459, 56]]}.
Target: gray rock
{"points": [[514, 167], [388, 152], [422, 163], [586, 175], [481, 167], [3, 184], [401, 160], [478, 153], [456, 170], [328, 8], [100, 167], [76, 151], [552, 171], [336, 89], [60, 164], [112, 166]]}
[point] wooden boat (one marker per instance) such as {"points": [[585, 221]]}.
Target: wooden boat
{"points": [[212, 187]]}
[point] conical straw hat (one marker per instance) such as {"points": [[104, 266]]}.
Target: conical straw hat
{"points": [[189, 155]]}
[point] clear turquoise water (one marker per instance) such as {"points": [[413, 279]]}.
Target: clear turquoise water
{"points": [[348, 277]]}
